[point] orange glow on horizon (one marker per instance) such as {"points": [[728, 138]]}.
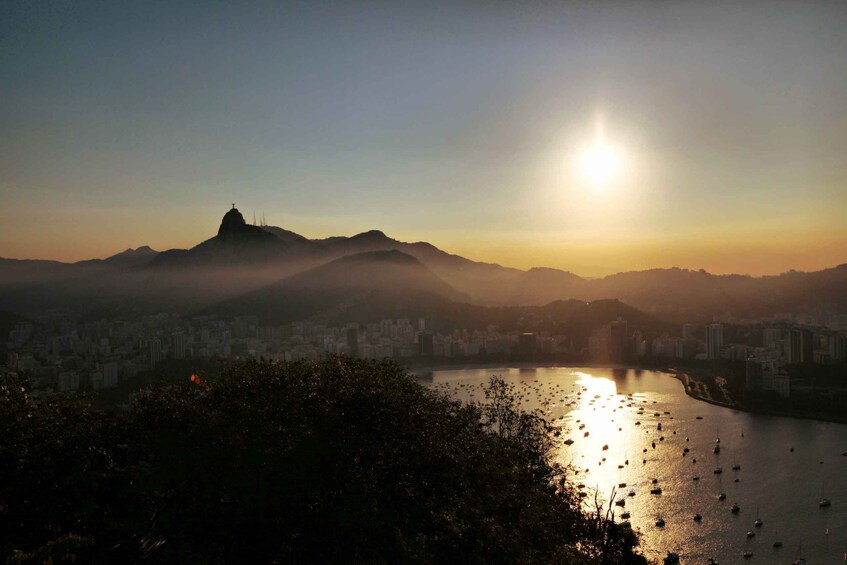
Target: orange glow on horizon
{"points": [[740, 249]]}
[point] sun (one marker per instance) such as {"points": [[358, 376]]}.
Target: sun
{"points": [[600, 163]]}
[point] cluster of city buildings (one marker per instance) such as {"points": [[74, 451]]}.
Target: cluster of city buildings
{"points": [[60, 353], [765, 360]]}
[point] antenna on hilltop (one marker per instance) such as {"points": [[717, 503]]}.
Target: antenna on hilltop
{"points": [[233, 205]]}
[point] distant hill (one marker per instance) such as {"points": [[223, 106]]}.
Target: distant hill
{"points": [[242, 258], [130, 258], [366, 285], [685, 294], [20, 272], [370, 286]]}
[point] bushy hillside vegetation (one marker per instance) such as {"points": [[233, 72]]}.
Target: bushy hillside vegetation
{"points": [[335, 461]]}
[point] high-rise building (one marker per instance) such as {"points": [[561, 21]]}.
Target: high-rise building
{"points": [[688, 331], [425, 344], [771, 337], [110, 374], [714, 341], [526, 345], [838, 348], [782, 384], [178, 345], [800, 346], [353, 342], [617, 339], [753, 375], [68, 380], [154, 352]]}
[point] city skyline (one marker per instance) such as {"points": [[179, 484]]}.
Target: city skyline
{"points": [[720, 129]]}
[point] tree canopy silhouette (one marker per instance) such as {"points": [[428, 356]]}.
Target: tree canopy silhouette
{"points": [[337, 460]]}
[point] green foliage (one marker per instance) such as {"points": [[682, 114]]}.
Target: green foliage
{"points": [[339, 460]]}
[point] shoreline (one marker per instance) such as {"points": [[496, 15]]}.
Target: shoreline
{"points": [[684, 378], [429, 369], [763, 411]]}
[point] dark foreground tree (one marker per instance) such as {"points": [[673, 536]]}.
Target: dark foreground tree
{"points": [[334, 461]]}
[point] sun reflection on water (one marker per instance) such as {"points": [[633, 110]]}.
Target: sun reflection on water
{"points": [[621, 430]]}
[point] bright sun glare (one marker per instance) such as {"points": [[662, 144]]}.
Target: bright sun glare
{"points": [[600, 163]]}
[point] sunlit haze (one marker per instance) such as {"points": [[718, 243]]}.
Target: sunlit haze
{"points": [[471, 126], [600, 163]]}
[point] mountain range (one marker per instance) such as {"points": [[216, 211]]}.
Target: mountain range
{"points": [[282, 275]]}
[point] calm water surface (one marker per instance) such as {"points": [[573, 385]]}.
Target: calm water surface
{"points": [[623, 409]]}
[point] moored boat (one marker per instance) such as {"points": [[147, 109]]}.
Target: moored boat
{"points": [[824, 502]]}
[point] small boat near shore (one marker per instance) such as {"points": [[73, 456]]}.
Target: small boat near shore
{"points": [[824, 502]]}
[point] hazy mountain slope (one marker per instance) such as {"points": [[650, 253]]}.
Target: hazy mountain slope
{"points": [[341, 286], [486, 283], [370, 286], [21, 272], [677, 293], [131, 258], [284, 235], [537, 286], [665, 291], [276, 249], [242, 257]]}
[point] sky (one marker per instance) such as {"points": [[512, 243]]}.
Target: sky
{"points": [[465, 124]]}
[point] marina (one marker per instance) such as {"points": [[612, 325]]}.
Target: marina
{"points": [[789, 479]]}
